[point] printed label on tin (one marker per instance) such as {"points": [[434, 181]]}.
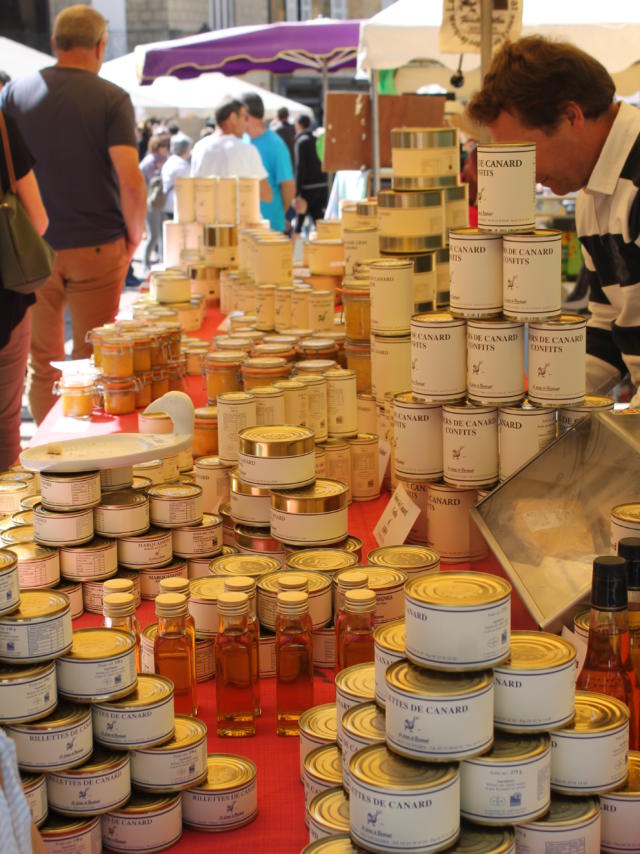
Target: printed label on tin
{"points": [[470, 447], [310, 529], [9, 592], [29, 698], [417, 441], [37, 800], [391, 366], [197, 541], [557, 365], [620, 823], [82, 680], [145, 552], [220, 810], [165, 770], [383, 658], [85, 565], [506, 196], [324, 647], [133, 727], [438, 362], [523, 435], [277, 471], [532, 275], [544, 838], [36, 641], [589, 764], [62, 749], [86, 796], [176, 511], [475, 273], [143, 832], [495, 362], [534, 701]]}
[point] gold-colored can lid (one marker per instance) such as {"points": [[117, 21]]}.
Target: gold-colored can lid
{"points": [[151, 690], [226, 772], [169, 491], [212, 463], [409, 199], [63, 716], [475, 839], [379, 577], [140, 483], [6, 519], [263, 363], [152, 534], [358, 681], [513, 748], [150, 631], [255, 540], [241, 564], [377, 766], [632, 787], [322, 560], [537, 651], [99, 643], [414, 137], [351, 544], [8, 559], [391, 263], [364, 439], [629, 512], [320, 722], [11, 674], [407, 399], [206, 413], [141, 804], [596, 713], [404, 557], [330, 809], [14, 487], [276, 441], [188, 731], [567, 812], [125, 497], [240, 487], [338, 843], [209, 520], [32, 781], [235, 398], [36, 605], [391, 636], [61, 827], [436, 318], [590, 402], [102, 761], [316, 581], [418, 682], [26, 551], [23, 517], [206, 589], [460, 590], [365, 721], [97, 544], [323, 496]]}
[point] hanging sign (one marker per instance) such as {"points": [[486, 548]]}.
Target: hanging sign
{"points": [[461, 24]]}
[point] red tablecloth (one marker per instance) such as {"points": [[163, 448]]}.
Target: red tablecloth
{"points": [[279, 827]]}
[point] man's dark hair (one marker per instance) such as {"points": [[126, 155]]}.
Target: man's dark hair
{"points": [[174, 128], [283, 114], [254, 105], [304, 121], [4, 78], [534, 79], [226, 108]]}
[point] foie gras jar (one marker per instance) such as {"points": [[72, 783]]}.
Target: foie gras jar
{"points": [[506, 187], [80, 835], [9, 584], [535, 688], [27, 693], [470, 444], [143, 718], [277, 456], [318, 727], [438, 357], [98, 786], [180, 763], [146, 823], [495, 361], [386, 790], [69, 492], [39, 630], [532, 275], [63, 740], [557, 353], [589, 756], [573, 824], [475, 273], [437, 717], [227, 799], [101, 665], [457, 620], [388, 643], [620, 810], [315, 515], [517, 767]]}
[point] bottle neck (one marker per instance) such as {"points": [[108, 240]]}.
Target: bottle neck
{"points": [[360, 619], [293, 622], [172, 625], [608, 622], [634, 599], [234, 622], [120, 622]]}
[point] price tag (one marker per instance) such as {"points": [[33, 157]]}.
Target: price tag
{"points": [[384, 453], [397, 519]]}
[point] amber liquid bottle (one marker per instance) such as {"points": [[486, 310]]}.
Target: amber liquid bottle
{"points": [[234, 671], [357, 638], [350, 579], [629, 549], [294, 660], [173, 651], [181, 585], [119, 612], [607, 665], [245, 584]]}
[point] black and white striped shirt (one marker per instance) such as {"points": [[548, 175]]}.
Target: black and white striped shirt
{"points": [[608, 224]]}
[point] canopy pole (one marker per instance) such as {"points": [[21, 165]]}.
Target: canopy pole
{"points": [[375, 128], [486, 45], [325, 88]]}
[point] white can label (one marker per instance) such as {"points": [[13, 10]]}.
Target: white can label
{"points": [[434, 162], [324, 647], [532, 275], [164, 769], [316, 408], [495, 362], [620, 823], [450, 529], [215, 487], [150, 578], [534, 700], [470, 446], [277, 471], [205, 541], [43, 572], [391, 299], [267, 656], [417, 438], [9, 590], [145, 552], [506, 187], [313, 529], [557, 364], [411, 222], [342, 406], [543, 839], [29, 642], [522, 435], [86, 795], [87, 565], [313, 787], [320, 609], [67, 494], [120, 522], [439, 361], [475, 273], [83, 680], [62, 530], [383, 658], [232, 418], [307, 744], [29, 698], [390, 365], [53, 750], [365, 473], [205, 616], [176, 511], [37, 800], [220, 810], [133, 727], [143, 832], [589, 763]]}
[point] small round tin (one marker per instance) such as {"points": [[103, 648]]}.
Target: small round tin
{"points": [[63, 740], [279, 457], [362, 725], [143, 718], [52, 528], [203, 605], [94, 561], [73, 591], [174, 505], [388, 642], [27, 693], [328, 814], [150, 578], [228, 798], [39, 630], [411, 559], [34, 787], [100, 785], [147, 823], [122, 514], [68, 492], [620, 810], [79, 835], [149, 550], [201, 540], [355, 684], [327, 561], [571, 823], [100, 666], [319, 588], [322, 770], [250, 505], [9, 583], [315, 515], [38, 566], [318, 727], [176, 765]]}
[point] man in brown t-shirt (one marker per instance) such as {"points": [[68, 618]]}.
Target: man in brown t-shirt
{"points": [[81, 131]]}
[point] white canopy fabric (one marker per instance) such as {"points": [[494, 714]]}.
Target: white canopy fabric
{"points": [[198, 96], [18, 59], [409, 30]]}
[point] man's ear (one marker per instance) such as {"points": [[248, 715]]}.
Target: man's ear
{"points": [[574, 115]]}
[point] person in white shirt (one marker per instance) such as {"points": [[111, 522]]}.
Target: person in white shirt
{"points": [[225, 154], [176, 166]]}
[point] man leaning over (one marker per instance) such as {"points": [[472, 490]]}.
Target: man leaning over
{"points": [[81, 131]]}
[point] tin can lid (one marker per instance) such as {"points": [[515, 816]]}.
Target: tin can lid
{"points": [[351, 544], [126, 497], [632, 787], [330, 809], [484, 840], [99, 643], [9, 558], [141, 482], [365, 721], [58, 826], [391, 636], [264, 363], [358, 681], [436, 318], [377, 766], [323, 496], [322, 560], [410, 137], [226, 772], [10, 674], [13, 487], [97, 544], [32, 781], [337, 843], [514, 748], [64, 715], [212, 463], [151, 689], [596, 713], [243, 564], [168, 491], [567, 812], [581, 622], [276, 441], [629, 512], [409, 199], [320, 722], [460, 590], [537, 651], [188, 731], [383, 577], [142, 804], [557, 324], [315, 580], [404, 557], [409, 679], [37, 604], [206, 589], [590, 402], [325, 763], [240, 487]]}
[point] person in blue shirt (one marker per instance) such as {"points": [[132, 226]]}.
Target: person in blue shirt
{"points": [[276, 159]]}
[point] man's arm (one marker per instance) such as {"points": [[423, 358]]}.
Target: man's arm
{"points": [[266, 193], [288, 190], [133, 193]]}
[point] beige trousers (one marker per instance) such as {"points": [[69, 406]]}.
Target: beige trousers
{"points": [[90, 281], [13, 361]]}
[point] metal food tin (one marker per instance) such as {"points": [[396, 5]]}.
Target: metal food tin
{"points": [[424, 157], [570, 415], [174, 505], [557, 353], [315, 515], [342, 403], [532, 275], [152, 469], [144, 718], [485, 840], [244, 564], [519, 768], [386, 790], [213, 476], [319, 588], [365, 474], [100, 666], [327, 561], [277, 456], [410, 221], [571, 823], [328, 814], [315, 387], [38, 566], [151, 549], [620, 810], [506, 196], [79, 835], [100, 785], [411, 559], [176, 765], [52, 528], [318, 727], [457, 620], [147, 823], [203, 605], [362, 725], [322, 770], [39, 630], [437, 717], [589, 756], [236, 410], [122, 514], [63, 740], [438, 357], [391, 364], [150, 578], [523, 431], [625, 522], [94, 561], [93, 591], [470, 445], [115, 479], [201, 540], [68, 492], [495, 361], [450, 529], [9, 582], [391, 290], [355, 684], [475, 273], [27, 693], [389, 643], [228, 799], [417, 427], [34, 787], [12, 493], [535, 688]]}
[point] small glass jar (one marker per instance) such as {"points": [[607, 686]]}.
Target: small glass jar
{"points": [[263, 370], [205, 432], [240, 321], [222, 372], [356, 305], [160, 345], [339, 337], [177, 371], [284, 351], [117, 356], [235, 342], [143, 390], [174, 334], [159, 382], [142, 344], [317, 348], [195, 355], [359, 360], [78, 395], [95, 336], [119, 395]]}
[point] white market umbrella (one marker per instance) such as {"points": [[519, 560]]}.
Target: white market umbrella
{"points": [[18, 59]]}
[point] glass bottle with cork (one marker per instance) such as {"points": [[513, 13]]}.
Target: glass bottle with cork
{"points": [[173, 651], [181, 585], [244, 584], [234, 683], [629, 549], [350, 579], [359, 623], [607, 665], [294, 660], [119, 612]]}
